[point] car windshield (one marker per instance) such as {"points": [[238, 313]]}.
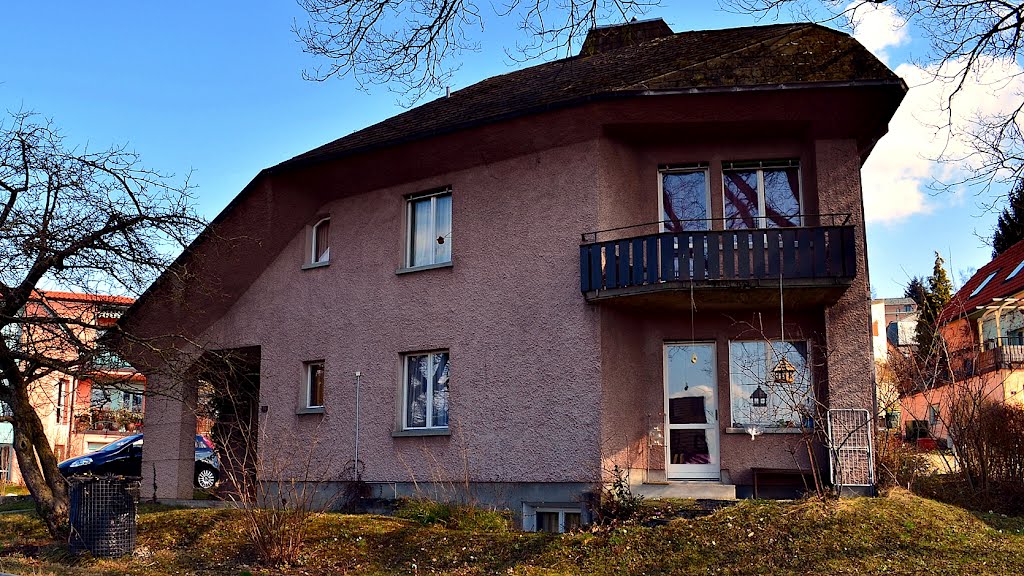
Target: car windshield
{"points": [[117, 444]]}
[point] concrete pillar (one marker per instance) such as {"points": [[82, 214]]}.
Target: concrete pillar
{"points": [[848, 322], [168, 453]]}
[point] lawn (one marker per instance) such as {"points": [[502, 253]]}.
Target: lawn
{"points": [[897, 534]]}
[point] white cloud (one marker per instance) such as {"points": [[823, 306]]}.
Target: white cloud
{"points": [[901, 167], [877, 27]]}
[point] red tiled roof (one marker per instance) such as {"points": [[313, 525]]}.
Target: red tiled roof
{"points": [[999, 286], [775, 55], [80, 297]]}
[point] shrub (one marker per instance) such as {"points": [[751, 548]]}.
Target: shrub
{"points": [[617, 503], [898, 463], [453, 516]]}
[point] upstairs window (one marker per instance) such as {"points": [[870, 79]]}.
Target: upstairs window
{"points": [[429, 229], [684, 198], [761, 194], [321, 245]]}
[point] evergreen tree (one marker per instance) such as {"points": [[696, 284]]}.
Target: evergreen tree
{"points": [[1010, 226], [937, 295], [916, 291]]}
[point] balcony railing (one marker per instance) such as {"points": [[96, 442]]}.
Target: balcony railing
{"points": [[806, 253]]}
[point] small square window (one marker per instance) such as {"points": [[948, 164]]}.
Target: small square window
{"points": [[314, 385], [429, 229], [425, 386], [321, 242]]}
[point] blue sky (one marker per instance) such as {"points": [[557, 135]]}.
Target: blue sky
{"points": [[216, 88]]}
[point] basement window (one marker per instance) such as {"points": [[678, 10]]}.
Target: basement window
{"points": [[552, 519]]}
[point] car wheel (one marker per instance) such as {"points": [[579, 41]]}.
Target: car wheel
{"points": [[205, 478]]}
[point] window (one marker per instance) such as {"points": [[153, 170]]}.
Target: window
{"points": [[321, 242], [981, 286], [426, 390], [314, 385], [1015, 270], [552, 519], [908, 308], [62, 390], [684, 199], [933, 415], [109, 399], [761, 194], [430, 229], [777, 405]]}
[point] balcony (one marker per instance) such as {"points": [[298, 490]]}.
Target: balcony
{"points": [[108, 421], [729, 268], [999, 354]]}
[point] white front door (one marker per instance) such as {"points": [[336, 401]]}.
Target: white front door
{"points": [[691, 411]]}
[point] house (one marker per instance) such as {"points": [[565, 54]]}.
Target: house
{"points": [[649, 257], [99, 398], [982, 330]]}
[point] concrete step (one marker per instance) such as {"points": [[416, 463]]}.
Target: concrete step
{"points": [[696, 489]]}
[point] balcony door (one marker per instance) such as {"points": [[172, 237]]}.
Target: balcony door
{"points": [[691, 411]]}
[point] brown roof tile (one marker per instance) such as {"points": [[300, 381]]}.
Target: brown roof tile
{"points": [[708, 59]]}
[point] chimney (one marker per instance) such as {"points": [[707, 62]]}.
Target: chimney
{"points": [[606, 38]]}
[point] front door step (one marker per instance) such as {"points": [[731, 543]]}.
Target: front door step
{"points": [[695, 489]]}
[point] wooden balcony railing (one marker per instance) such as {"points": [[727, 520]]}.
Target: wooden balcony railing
{"points": [[715, 256]]}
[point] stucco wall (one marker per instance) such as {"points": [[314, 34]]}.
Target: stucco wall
{"points": [[525, 392]]}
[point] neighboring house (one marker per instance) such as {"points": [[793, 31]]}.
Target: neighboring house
{"points": [[551, 273], [102, 401], [982, 329], [893, 338]]}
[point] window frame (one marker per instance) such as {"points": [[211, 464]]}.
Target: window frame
{"points": [[683, 169], [404, 420], [307, 395], [410, 202], [760, 166], [313, 258], [62, 389]]}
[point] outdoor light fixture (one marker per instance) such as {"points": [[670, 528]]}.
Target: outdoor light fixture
{"points": [[783, 372], [759, 399]]}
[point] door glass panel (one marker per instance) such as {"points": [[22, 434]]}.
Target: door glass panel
{"points": [[689, 446], [684, 200], [782, 197], [740, 190]]}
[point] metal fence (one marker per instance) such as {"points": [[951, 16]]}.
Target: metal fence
{"points": [[850, 449]]}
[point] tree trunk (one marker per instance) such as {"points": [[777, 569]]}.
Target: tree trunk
{"points": [[38, 468]]}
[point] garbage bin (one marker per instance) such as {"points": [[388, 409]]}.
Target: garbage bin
{"points": [[103, 514]]}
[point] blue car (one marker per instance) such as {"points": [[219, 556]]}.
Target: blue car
{"points": [[124, 458]]}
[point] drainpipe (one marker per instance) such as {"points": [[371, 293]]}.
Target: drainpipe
{"points": [[355, 463]]}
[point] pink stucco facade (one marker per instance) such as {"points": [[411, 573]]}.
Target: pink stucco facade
{"points": [[546, 386]]}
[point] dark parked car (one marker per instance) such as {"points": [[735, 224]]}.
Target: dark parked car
{"points": [[124, 458]]}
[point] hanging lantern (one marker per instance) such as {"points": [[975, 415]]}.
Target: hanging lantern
{"points": [[759, 399], [784, 372]]}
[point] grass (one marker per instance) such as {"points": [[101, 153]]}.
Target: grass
{"points": [[897, 534]]}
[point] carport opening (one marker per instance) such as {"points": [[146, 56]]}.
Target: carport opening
{"points": [[228, 414]]}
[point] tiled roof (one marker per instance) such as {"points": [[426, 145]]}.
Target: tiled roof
{"points": [[775, 55], [999, 286], [79, 297]]}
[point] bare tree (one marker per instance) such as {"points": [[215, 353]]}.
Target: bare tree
{"points": [[966, 39], [413, 45], [79, 219]]}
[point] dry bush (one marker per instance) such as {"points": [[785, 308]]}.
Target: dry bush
{"points": [[898, 463], [989, 442]]}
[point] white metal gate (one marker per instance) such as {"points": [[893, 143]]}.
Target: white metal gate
{"points": [[850, 448]]}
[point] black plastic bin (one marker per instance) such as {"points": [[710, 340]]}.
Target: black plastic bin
{"points": [[103, 515]]}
